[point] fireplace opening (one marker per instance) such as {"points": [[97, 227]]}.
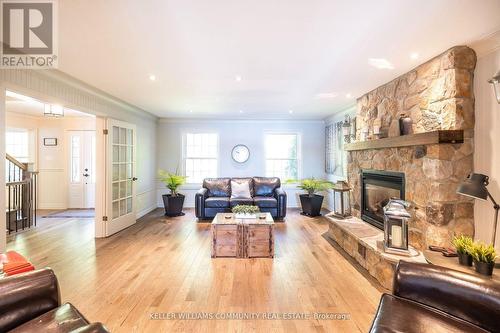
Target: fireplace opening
{"points": [[377, 187]]}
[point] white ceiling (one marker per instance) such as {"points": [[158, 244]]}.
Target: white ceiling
{"points": [[303, 56], [28, 106]]}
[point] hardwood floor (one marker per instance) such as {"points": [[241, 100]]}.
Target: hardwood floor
{"points": [[163, 266]]}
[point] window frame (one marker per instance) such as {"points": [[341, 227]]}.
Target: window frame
{"points": [[26, 131], [298, 134], [184, 152]]}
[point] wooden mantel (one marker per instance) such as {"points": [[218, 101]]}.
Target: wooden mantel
{"points": [[419, 139]]}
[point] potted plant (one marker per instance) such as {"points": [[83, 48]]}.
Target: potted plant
{"points": [[311, 202], [174, 201], [484, 258], [245, 211], [463, 245]]}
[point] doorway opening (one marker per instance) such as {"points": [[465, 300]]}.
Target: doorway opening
{"points": [[54, 148]]}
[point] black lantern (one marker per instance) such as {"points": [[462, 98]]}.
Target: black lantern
{"points": [[396, 219], [341, 200]]}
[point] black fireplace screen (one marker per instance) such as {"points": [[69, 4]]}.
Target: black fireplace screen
{"points": [[377, 187]]}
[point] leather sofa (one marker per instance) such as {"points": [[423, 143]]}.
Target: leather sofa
{"points": [[30, 302], [215, 196], [428, 298]]}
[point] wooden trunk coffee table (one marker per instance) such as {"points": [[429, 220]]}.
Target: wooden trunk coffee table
{"points": [[242, 238]]}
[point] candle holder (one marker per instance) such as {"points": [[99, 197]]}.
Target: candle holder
{"points": [[346, 129], [396, 219]]}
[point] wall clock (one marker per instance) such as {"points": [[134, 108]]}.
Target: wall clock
{"points": [[240, 153]]}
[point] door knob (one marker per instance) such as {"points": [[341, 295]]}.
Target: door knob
{"points": [[134, 179]]}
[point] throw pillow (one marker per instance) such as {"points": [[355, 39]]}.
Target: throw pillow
{"points": [[240, 190]]}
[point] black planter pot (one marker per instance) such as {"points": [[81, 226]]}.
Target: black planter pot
{"points": [[311, 204], [485, 268], [173, 204], [464, 259]]}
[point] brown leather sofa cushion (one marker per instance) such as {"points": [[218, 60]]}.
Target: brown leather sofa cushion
{"points": [[265, 186], [236, 202], [65, 318], [266, 202], [218, 187], [396, 314], [217, 202]]}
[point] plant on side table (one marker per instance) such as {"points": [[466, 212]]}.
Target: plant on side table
{"points": [[174, 201], [311, 202], [463, 245], [245, 211], [484, 258]]}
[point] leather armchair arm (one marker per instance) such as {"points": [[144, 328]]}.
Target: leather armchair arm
{"points": [[470, 297], [199, 202], [27, 296], [280, 195]]}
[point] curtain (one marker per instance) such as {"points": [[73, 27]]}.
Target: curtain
{"points": [[335, 155]]}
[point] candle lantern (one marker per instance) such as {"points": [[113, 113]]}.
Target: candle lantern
{"points": [[396, 219], [341, 200]]}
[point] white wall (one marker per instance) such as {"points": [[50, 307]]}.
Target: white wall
{"points": [[486, 142], [50, 161], [247, 132]]}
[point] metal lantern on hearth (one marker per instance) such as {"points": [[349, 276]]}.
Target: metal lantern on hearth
{"points": [[341, 200], [396, 219]]}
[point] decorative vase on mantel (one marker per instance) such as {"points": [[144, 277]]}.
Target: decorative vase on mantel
{"points": [[405, 125]]}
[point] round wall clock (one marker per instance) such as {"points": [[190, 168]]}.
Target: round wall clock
{"points": [[240, 153]]}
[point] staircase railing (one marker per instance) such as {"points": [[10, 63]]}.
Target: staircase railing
{"points": [[21, 195]]}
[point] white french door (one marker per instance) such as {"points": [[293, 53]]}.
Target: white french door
{"points": [[81, 146], [120, 180]]}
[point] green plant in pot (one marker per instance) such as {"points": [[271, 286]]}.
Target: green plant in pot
{"points": [[484, 258], [173, 202], [311, 202], [463, 245]]}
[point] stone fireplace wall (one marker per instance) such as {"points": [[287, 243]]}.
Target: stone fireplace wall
{"points": [[437, 95]]}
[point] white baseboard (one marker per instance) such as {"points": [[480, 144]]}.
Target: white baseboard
{"points": [[143, 212]]}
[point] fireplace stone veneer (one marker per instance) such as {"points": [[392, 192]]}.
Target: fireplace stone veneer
{"points": [[437, 95]]}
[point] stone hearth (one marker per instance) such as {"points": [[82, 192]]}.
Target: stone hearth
{"points": [[364, 243]]}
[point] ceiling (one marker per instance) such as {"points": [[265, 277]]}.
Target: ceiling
{"points": [[258, 59], [21, 104]]}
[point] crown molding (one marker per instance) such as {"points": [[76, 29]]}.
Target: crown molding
{"points": [[243, 121]]}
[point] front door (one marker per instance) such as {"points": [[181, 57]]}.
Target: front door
{"points": [[81, 169], [121, 159]]}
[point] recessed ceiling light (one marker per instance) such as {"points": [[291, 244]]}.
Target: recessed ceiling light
{"points": [[414, 56], [326, 95], [290, 111], [241, 111], [348, 95], [152, 77], [380, 63], [238, 78], [190, 111]]}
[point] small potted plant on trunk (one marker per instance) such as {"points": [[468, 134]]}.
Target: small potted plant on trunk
{"points": [[174, 201], [463, 245], [311, 202], [484, 258], [245, 211]]}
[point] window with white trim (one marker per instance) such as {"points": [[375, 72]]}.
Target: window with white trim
{"points": [[200, 156], [282, 156], [17, 144]]}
